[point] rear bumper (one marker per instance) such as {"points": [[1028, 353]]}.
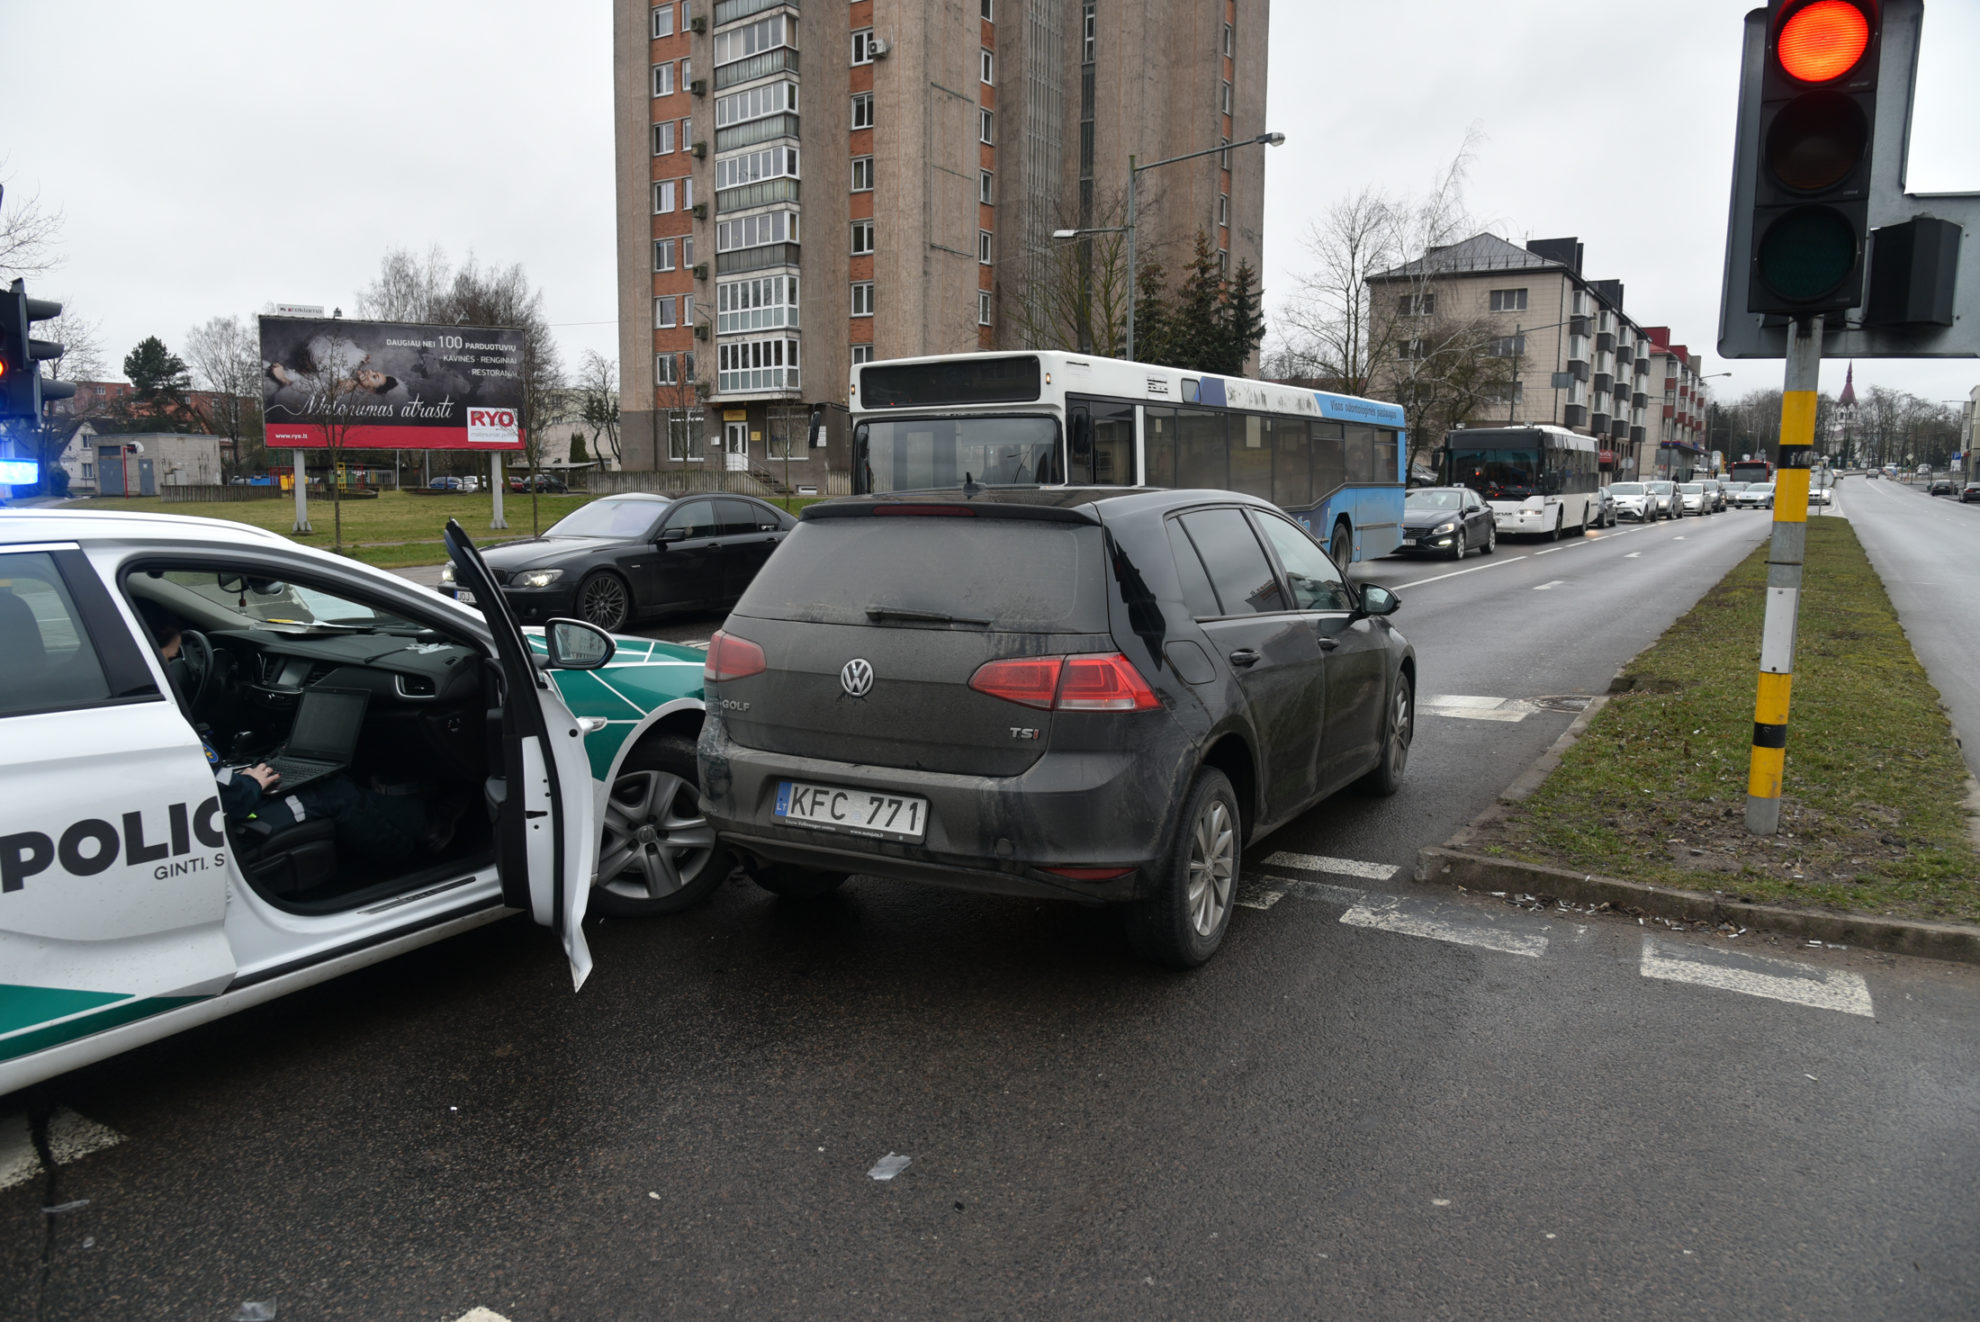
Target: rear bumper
{"points": [[1098, 810]]}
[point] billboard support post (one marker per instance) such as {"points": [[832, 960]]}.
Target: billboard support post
{"points": [[302, 495], [495, 484]]}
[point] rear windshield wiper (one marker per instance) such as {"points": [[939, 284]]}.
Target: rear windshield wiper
{"points": [[925, 617]]}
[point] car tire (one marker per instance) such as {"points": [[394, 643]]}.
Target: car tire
{"points": [[659, 854], [1491, 539], [1341, 546], [1398, 731], [794, 883], [603, 599], [1183, 922], [1458, 548]]}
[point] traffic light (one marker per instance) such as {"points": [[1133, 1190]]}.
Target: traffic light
{"points": [[22, 391], [1817, 127]]}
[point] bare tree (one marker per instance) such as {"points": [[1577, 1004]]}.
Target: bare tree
{"points": [[225, 356], [1076, 293], [30, 235], [1328, 328], [598, 403], [340, 408]]}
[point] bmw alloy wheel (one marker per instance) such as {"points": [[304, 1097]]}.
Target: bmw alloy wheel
{"points": [[603, 601]]}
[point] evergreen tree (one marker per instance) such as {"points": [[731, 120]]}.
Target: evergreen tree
{"points": [[160, 381], [1197, 321], [1244, 320], [1153, 334], [579, 454]]}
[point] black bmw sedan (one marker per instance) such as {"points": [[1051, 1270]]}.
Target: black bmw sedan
{"points": [[1448, 521], [622, 557]]}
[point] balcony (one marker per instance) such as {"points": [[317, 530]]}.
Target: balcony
{"points": [[728, 11], [761, 193], [1605, 384], [1578, 369], [1636, 435], [756, 259], [1639, 400], [1574, 415], [1619, 429], [755, 131], [1605, 342], [781, 60]]}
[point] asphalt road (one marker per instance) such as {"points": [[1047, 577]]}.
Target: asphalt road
{"points": [[1381, 1100], [1927, 551]]}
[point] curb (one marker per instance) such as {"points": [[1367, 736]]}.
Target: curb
{"points": [[1451, 863]]}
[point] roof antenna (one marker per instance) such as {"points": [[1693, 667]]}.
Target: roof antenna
{"points": [[971, 488]]}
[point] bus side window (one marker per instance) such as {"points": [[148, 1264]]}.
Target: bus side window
{"points": [[1113, 444], [1159, 443], [1251, 455], [1201, 457], [1361, 454], [1388, 463], [1079, 447], [1329, 458], [1292, 476]]}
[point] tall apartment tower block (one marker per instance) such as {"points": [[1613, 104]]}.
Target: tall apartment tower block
{"points": [[804, 186]]}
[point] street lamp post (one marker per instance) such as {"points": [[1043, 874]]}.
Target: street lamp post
{"points": [[1134, 175]]}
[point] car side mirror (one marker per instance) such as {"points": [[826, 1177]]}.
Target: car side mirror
{"points": [[575, 645], [1378, 600], [673, 535]]}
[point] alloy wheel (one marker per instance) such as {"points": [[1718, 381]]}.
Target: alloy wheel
{"points": [[657, 838], [1212, 864], [602, 601], [1402, 726]]}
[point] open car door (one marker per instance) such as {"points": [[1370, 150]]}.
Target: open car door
{"points": [[542, 802]]}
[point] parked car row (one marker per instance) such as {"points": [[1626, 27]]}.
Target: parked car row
{"points": [[1094, 695]]}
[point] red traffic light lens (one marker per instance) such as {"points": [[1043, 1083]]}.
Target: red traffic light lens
{"points": [[1823, 41]]}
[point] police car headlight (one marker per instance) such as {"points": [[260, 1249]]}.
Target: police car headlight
{"points": [[1443, 528], [538, 578], [447, 572]]}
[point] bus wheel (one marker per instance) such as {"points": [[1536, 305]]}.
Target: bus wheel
{"points": [[1560, 523], [1341, 546]]}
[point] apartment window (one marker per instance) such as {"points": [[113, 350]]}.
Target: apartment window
{"points": [[687, 193], [687, 131], [1086, 37], [663, 20], [687, 73], [983, 307], [755, 231], [1514, 393], [984, 194], [687, 13], [986, 12], [1508, 300], [862, 238], [666, 312], [1224, 157], [862, 174], [758, 304], [863, 46], [1230, 44], [1224, 209], [687, 309], [1227, 98], [684, 429], [663, 79], [862, 117], [862, 298], [987, 132], [1417, 305], [987, 68], [663, 196], [663, 254], [750, 167], [663, 137], [984, 242], [687, 251], [666, 369], [1411, 350], [763, 35], [1508, 346], [863, 353], [767, 364], [755, 103]]}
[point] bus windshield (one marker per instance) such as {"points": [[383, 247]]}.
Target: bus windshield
{"points": [[1498, 474], [922, 454]]}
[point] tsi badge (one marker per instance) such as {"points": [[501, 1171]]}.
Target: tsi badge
{"points": [[856, 677], [493, 427]]}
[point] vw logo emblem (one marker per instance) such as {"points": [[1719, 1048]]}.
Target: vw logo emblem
{"points": [[856, 677]]}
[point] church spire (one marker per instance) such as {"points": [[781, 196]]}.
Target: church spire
{"points": [[1848, 397]]}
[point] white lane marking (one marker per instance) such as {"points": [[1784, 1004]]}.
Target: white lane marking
{"points": [[481, 1315], [1254, 894], [1475, 569], [1633, 555], [1677, 539], [1413, 921], [1468, 708], [1550, 550], [70, 1137], [1340, 867], [1757, 975], [1557, 583]]}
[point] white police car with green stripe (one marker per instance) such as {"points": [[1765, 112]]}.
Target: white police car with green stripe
{"points": [[155, 874]]}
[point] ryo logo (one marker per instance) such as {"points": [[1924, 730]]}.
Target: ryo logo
{"points": [[492, 418], [492, 427]]}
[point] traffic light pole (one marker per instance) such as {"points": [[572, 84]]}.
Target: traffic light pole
{"points": [[1785, 555]]}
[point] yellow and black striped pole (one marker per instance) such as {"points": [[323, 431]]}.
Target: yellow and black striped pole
{"points": [[1784, 559]]}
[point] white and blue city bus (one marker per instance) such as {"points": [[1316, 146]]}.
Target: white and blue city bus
{"points": [[1334, 462], [1538, 479]]}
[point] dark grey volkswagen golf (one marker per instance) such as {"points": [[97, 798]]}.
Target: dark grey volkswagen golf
{"points": [[1092, 694]]}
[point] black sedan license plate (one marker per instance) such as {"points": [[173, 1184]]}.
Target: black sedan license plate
{"points": [[856, 812]]}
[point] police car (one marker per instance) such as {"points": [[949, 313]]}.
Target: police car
{"points": [[133, 905]]}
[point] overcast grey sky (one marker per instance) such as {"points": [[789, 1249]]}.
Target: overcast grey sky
{"points": [[211, 157]]}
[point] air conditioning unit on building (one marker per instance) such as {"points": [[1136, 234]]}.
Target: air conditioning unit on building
{"points": [[700, 210], [699, 149], [878, 48], [698, 24], [701, 270], [701, 332], [698, 87]]}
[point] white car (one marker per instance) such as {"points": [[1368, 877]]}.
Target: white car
{"points": [[155, 665], [1756, 496], [1633, 501]]}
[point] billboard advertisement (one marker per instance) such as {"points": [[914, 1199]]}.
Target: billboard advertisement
{"points": [[385, 385]]}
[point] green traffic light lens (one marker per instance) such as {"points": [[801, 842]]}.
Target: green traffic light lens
{"points": [[1816, 141], [1806, 254]]}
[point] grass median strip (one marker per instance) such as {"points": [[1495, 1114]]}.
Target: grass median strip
{"points": [[1873, 814]]}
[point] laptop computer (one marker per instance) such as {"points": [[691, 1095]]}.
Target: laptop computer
{"points": [[323, 738]]}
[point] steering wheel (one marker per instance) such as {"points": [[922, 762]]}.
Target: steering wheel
{"points": [[197, 653]]}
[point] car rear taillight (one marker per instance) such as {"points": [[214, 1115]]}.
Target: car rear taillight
{"points": [[1107, 682], [730, 657], [1089, 874]]}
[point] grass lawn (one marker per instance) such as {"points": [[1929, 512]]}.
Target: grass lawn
{"points": [[1873, 817], [394, 530]]}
